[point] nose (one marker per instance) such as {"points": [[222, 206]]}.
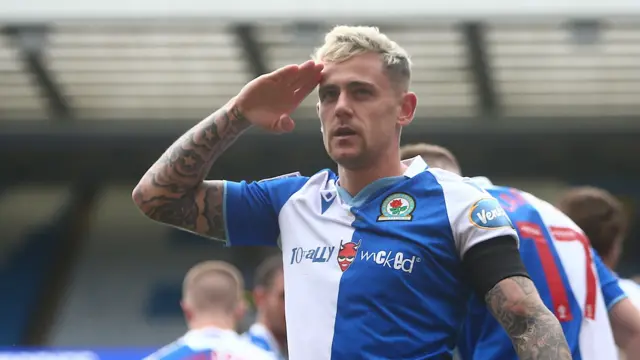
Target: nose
{"points": [[343, 106]]}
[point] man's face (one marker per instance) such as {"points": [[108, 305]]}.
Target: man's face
{"points": [[361, 110], [270, 302]]}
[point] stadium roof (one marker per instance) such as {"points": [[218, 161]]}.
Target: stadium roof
{"points": [[179, 70]]}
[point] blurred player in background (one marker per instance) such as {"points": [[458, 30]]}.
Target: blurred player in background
{"points": [[270, 331], [603, 219], [380, 259], [560, 262], [213, 305]]}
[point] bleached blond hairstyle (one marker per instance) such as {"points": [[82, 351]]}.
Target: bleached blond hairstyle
{"points": [[344, 42], [212, 285]]}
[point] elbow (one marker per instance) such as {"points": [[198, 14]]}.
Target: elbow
{"points": [[138, 195]]}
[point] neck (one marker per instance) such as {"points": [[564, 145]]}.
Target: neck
{"points": [[608, 262], [222, 323], [280, 339], [387, 165]]}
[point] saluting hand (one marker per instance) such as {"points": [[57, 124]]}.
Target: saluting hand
{"points": [[269, 100]]}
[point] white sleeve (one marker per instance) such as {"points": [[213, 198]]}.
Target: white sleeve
{"points": [[474, 215]]}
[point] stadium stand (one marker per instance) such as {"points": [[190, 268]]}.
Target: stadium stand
{"points": [[103, 93], [28, 215], [129, 273]]}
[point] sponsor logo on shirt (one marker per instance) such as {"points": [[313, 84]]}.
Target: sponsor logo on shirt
{"points": [[488, 214], [392, 259], [397, 207], [347, 254], [320, 254]]}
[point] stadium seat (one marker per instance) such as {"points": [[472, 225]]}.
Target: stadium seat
{"points": [[21, 281]]}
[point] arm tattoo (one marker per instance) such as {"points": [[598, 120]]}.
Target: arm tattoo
{"points": [[533, 329], [173, 190]]}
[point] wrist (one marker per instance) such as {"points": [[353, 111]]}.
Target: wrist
{"points": [[236, 115]]}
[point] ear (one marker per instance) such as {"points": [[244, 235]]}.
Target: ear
{"points": [[185, 311], [408, 108], [240, 310], [259, 294]]}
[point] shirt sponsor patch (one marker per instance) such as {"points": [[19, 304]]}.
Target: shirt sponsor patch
{"points": [[488, 214]]}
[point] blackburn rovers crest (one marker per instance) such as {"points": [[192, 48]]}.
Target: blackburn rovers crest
{"points": [[397, 207]]}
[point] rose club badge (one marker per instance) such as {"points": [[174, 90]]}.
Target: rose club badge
{"points": [[397, 207]]}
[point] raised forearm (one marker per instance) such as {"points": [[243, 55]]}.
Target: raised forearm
{"points": [[533, 329], [172, 190], [186, 163]]}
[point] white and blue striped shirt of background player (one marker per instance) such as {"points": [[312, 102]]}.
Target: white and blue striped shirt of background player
{"points": [[375, 276], [210, 343], [261, 337], [570, 277]]}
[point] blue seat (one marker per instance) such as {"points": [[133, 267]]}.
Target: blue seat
{"points": [[22, 279]]}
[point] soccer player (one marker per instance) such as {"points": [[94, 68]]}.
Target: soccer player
{"points": [[603, 219], [381, 258], [561, 263], [269, 331], [213, 305]]}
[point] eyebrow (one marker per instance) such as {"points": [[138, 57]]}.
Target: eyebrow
{"points": [[350, 84]]}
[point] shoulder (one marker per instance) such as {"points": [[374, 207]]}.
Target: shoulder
{"points": [[453, 184], [551, 215], [474, 215], [465, 200], [244, 346], [168, 350], [276, 190], [295, 181], [309, 187]]}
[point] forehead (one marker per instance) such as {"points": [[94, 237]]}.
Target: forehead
{"points": [[360, 68]]}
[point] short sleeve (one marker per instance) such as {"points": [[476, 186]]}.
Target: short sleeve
{"points": [[611, 290], [474, 215], [251, 209]]}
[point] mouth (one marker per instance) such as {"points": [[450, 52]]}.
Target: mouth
{"points": [[344, 132]]}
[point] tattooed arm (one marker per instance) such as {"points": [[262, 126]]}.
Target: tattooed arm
{"points": [[173, 190], [533, 329]]}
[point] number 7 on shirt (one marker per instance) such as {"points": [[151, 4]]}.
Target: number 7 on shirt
{"points": [[543, 240]]}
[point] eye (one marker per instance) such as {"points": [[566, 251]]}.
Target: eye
{"points": [[341, 258], [328, 95], [362, 93]]}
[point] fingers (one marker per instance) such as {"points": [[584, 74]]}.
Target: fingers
{"points": [[305, 89], [285, 72], [284, 125], [308, 72], [295, 76]]}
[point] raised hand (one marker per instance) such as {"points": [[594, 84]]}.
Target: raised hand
{"points": [[269, 100]]}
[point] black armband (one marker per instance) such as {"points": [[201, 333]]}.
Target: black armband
{"points": [[492, 261]]}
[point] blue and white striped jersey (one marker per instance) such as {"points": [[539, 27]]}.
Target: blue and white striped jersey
{"points": [[210, 344], [375, 276]]}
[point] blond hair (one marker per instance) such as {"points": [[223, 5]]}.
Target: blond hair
{"points": [[344, 42], [213, 285]]}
